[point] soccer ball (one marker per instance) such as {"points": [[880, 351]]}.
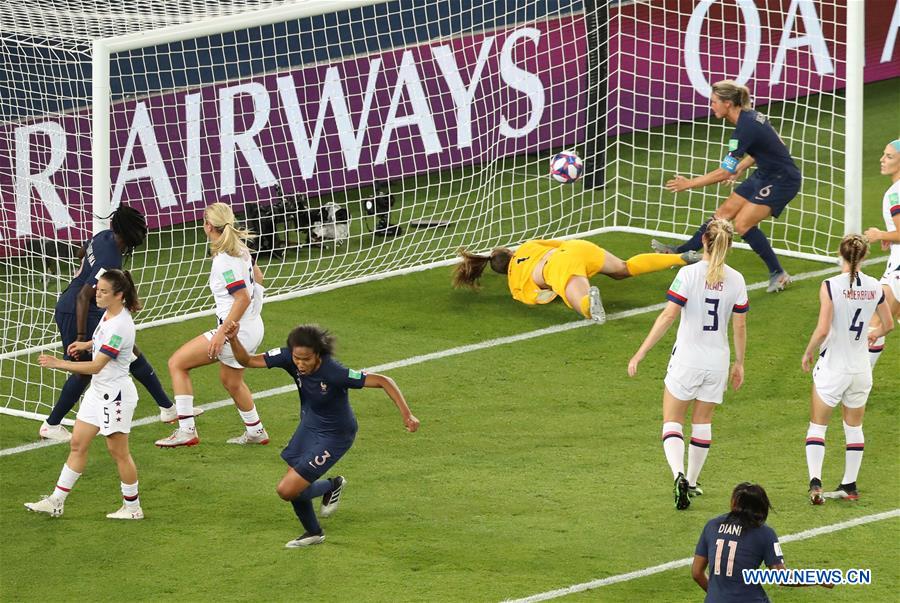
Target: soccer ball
{"points": [[566, 167]]}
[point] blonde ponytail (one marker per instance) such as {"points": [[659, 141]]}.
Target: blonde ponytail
{"points": [[854, 248], [468, 272], [738, 95], [717, 239], [233, 239]]}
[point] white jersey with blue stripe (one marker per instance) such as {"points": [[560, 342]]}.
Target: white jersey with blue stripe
{"points": [[890, 209], [114, 337], [702, 340], [846, 349], [229, 275]]}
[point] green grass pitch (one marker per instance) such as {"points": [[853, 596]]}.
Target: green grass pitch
{"points": [[538, 464]]}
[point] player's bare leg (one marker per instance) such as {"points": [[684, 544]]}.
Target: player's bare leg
{"points": [[233, 380], [674, 411]]}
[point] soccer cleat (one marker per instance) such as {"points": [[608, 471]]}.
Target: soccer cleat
{"points": [[179, 437], [306, 539], [170, 415], [815, 492], [57, 433], [778, 281], [598, 314], [844, 491], [332, 498], [695, 490], [691, 257], [125, 513], [246, 438], [682, 499], [659, 247], [46, 505]]}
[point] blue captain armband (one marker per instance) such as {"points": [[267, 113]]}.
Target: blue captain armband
{"points": [[730, 163]]}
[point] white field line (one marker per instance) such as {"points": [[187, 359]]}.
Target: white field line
{"points": [[687, 561], [464, 349]]}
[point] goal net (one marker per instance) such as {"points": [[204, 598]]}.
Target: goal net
{"points": [[362, 139]]}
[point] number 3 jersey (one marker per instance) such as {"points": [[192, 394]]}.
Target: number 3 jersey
{"points": [[845, 350], [702, 341]]}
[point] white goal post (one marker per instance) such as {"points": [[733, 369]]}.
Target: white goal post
{"points": [[365, 139]]}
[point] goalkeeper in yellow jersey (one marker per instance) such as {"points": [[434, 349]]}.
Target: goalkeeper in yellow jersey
{"points": [[539, 271]]}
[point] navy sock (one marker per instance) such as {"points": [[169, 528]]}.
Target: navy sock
{"points": [[306, 515], [760, 244], [695, 243], [144, 373], [68, 396], [316, 489]]}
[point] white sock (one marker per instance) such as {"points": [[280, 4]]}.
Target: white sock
{"points": [[184, 405], [815, 449], [251, 421], [130, 495], [673, 446], [875, 353], [853, 456], [701, 438], [66, 482]]}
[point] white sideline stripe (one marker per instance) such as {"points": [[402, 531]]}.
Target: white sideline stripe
{"points": [[687, 561], [464, 349]]}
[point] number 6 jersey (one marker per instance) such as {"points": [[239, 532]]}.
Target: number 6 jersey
{"points": [[845, 350], [702, 341]]}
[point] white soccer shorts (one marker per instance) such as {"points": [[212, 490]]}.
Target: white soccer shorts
{"points": [[688, 383], [250, 336], [850, 389], [110, 410], [891, 279]]}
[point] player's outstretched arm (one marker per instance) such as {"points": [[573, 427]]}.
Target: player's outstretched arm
{"points": [[826, 311], [659, 328], [394, 393], [91, 367], [680, 183], [240, 352]]}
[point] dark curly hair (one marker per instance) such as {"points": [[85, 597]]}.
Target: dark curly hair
{"points": [[320, 341], [131, 227], [750, 505]]}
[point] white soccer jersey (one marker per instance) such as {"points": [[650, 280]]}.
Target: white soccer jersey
{"points": [[229, 275], [114, 336], [846, 348], [702, 340], [891, 208]]}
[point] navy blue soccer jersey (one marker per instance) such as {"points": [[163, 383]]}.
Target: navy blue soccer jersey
{"points": [[755, 136], [324, 403], [102, 254], [731, 548]]}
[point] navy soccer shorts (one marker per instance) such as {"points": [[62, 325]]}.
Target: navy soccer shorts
{"points": [[774, 191], [68, 329], [312, 454]]}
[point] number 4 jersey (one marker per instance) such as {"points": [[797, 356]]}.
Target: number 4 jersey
{"points": [[845, 350], [702, 341]]}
